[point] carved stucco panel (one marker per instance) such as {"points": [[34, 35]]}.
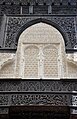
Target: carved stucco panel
{"points": [[13, 65], [16, 23], [40, 99]]}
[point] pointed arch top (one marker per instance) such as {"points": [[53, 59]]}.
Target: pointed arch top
{"points": [[43, 20]]}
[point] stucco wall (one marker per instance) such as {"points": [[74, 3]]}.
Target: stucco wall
{"points": [[40, 54]]}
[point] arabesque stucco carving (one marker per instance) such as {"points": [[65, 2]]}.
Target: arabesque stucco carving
{"points": [[40, 54]]}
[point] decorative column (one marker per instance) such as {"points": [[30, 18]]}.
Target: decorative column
{"points": [[41, 63]]}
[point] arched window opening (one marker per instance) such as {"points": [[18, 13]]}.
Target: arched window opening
{"points": [[40, 48]]}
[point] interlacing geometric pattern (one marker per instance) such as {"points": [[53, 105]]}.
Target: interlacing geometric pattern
{"points": [[41, 61], [40, 55], [51, 62], [31, 62]]}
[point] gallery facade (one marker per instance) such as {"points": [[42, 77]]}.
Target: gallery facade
{"points": [[38, 59]]}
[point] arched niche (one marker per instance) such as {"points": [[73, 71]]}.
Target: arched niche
{"points": [[40, 53], [46, 21]]}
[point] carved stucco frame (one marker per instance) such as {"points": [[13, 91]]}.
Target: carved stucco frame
{"points": [[43, 20]]}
